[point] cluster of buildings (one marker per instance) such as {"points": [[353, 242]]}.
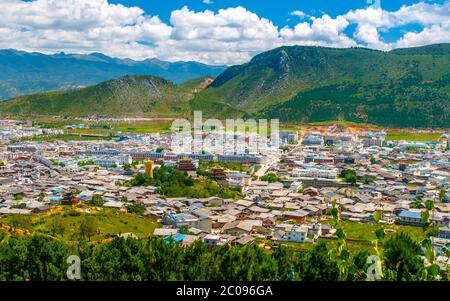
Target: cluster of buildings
{"points": [[11, 131], [390, 179]]}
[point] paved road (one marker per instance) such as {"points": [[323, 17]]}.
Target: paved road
{"points": [[272, 161], [264, 168]]}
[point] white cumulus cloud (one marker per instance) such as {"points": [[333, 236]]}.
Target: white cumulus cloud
{"points": [[434, 18], [324, 31], [227, 36], [299, 14]]}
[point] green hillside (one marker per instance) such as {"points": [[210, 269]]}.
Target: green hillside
{"points": [[23, 73], [126, 96], [404, 87]]}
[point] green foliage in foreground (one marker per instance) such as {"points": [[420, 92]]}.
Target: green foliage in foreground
{"points": [[42, 258]]}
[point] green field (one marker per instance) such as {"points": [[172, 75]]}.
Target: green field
{"points": [[363, 231], [63, 137], [102, 128], [143, 127], [426, 136], [110, 222], [343, 123], [140, 127]]}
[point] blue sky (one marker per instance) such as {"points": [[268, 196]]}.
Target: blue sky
{"points": [[275, 10], [218, 31], [278, 11]]}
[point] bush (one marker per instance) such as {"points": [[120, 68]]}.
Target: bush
{"points": [[97, 201], [19, 206], [72, 213], [136, 209], [349, 176], [271, 178]]}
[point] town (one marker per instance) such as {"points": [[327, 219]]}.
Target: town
{"points": [[271, 199]]}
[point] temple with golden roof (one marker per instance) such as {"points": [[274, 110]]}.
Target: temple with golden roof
{"points": [[218, 174], [185, 164]]}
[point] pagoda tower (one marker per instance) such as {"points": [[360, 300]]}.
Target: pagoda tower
{"points": [[218, 174], [185, 164]]}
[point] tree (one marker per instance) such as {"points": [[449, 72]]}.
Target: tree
{"points": [[417, 203], [19, 206], [41, 197], [141, 180], [335, 214], [442, 195], [430, 254], [96, 201], [155, 259], [18, 197], [46, 259], [13, 258], [284, 148], [425, 215], [349, 176], [377, 215], [359, 266], [379, 234], [401, 254], [175, 183], [286, 262], [271, 178], [105, 265], [429, 204], [20, 221], [57, 227], [368, 180], [136, 209], [318, 265], [88, 227], [86, 163]]}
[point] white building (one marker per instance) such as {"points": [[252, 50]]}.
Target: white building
{"points": [[113, 161], [312, 172], [296, 234]]}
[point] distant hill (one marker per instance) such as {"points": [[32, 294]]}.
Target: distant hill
{"points": [[24, 73], [199, 83], [126, 96], [403, 87]]}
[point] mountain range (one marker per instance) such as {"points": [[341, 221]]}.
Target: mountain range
{"points": [[403, 87], [24, 73], [127, 96]]}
